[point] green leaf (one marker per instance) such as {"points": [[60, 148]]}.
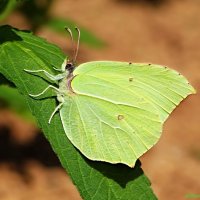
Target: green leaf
{"points": [[21, 50], [6, 7], [4, 81], [87, 37]]}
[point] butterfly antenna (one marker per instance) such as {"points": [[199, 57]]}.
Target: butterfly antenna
{"points": [[78, 42], [72, 38]]}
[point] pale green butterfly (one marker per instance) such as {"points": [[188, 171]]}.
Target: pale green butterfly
{"points": [[114, 111]]}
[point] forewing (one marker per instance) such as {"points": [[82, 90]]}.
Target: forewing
{"points": [[160, 86]]}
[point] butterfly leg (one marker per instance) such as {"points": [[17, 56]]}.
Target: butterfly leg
{"points": [[47, 74], [56, 69], [56, 109], [41, 93]]}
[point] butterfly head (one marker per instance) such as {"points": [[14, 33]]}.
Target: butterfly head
{"points": [[69, 65]]}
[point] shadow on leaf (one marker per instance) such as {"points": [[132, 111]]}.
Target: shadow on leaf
{"points": [[7, 34], [120, 173]]}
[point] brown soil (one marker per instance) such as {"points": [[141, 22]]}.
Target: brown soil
{"points": [[163, 32]]}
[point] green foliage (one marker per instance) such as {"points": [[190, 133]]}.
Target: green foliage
{"points": [[87, 37], [20, 50], [3, 5], [6, 7], [12, 99], [37, 15]]}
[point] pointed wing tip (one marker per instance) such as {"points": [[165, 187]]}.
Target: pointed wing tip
{"points": [[194, 91]]}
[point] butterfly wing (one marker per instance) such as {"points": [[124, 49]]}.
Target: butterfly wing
{"points": [[118, 109]]}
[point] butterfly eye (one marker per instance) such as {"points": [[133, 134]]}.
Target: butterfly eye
{"points": [[69, 67]]}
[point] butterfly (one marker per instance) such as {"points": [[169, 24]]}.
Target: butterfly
{"points": [[114, 111]]}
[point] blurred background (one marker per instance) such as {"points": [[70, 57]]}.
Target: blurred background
{"points": [[164, 32]]}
